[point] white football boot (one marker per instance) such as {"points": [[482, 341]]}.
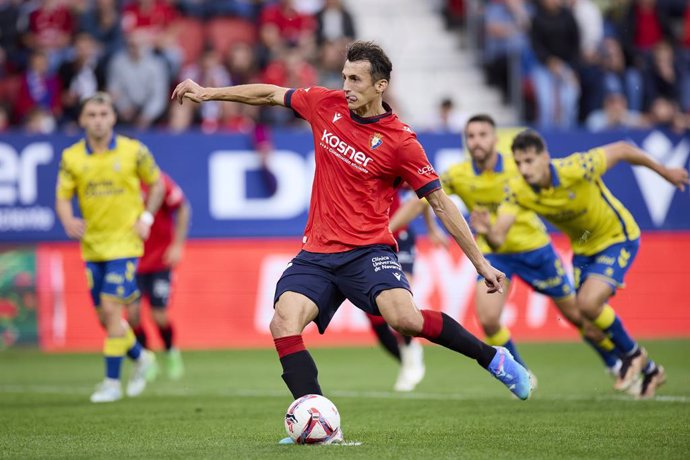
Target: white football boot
{"points": [[144, 367], [412, 368], [108, 390]]}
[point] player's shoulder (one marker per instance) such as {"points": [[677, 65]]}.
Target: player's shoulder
{"points": [[461, 169], [577, 164], [74, 151], [128, 143]]}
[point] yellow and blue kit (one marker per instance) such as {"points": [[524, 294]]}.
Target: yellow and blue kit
{"points": [[108, 188], [603, 234], [527, 250]]}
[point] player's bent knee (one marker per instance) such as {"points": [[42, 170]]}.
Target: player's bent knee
{"points": [[291, 315]]}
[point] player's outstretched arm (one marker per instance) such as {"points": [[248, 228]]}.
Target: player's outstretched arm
{"points": [[624, 151], [456, 225], [153, 203], [253, 94]]}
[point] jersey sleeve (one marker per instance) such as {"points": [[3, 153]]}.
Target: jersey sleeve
{"points": [[415, 169], [147, 169], [174, 196], [589, 165], [66, 182], [304, 101], [510, 204]]}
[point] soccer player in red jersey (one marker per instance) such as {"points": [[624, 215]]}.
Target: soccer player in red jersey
{"points": [[162, 252], [363, 154]]}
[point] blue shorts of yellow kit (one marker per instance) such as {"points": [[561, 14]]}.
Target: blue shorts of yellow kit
{"points": [[541, 268], [609, 265], [113, 278], [359, 275]]}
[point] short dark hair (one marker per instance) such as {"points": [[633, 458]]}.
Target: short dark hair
{"points": [[481, 118], [381, 66], [528, 139]]}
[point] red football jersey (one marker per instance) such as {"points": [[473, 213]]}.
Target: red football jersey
{"points": [[163, 228], [360, 163]]}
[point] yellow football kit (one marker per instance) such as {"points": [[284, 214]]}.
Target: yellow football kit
{"points": [[486, 190], [108, 187], [577, 203]]}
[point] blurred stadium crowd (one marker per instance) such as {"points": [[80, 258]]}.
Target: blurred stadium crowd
{"points": [[604, 63], [598, 63]]}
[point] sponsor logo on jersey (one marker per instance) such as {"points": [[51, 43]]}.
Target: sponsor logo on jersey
{"points": [[375, 141], [336, 117], [344, 151], [426, 170]]}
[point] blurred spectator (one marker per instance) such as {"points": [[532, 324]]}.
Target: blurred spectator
{"points": [[665, 113], [9, 36], [331, 64], [290, 70], [293, 26], [506, 26], [556, 42], [590, 24], [662, 76], [102, 22], [619, 78], [208, 72], [614, 115], [138, 82], [51, 26], [39, 121], [270, 45], [39, 89], [80, 77], [644, 25], [334, 22], [241, 64], [154, 20], [448, 119]]}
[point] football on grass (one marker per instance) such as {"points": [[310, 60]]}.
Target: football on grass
{"points": [[312, 419]]}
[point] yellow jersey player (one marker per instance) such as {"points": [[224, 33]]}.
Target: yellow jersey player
{"points": [[526, 250], [105, 172], [570, 193]]}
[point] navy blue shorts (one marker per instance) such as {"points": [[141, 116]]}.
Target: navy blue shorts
{"points": [[609, 265], [540, 268], [328, 279], [156, 287], [406, 250], [113, 278]]}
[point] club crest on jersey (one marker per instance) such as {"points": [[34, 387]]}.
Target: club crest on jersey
{"points": [[375, 141]]}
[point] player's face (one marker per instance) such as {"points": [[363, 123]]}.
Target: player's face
{"points": [[360, 89], [480, 139], [97, 119], [533, 166]]}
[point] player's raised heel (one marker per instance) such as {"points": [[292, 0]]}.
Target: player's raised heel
{"points": [[108, 390], [141, 373], [652, 381], [630, 370], [511, 373]]}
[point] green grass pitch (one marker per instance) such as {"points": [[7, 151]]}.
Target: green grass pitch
{"points": [[230, 404]]}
